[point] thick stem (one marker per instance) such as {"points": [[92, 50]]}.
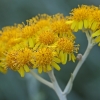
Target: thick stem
{"points": [[49, 84], [70, 83], [56, 86]]}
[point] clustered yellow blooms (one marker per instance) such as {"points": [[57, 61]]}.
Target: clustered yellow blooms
{"points": [[86, 18], [43, 43]]}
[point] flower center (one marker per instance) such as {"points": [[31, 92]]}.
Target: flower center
{"points": [[65, 45], [28, 31], [43, 57], [47, 37], [59, 26], [18, 58], [83, 12]]}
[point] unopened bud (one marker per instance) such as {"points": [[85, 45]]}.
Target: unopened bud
{"points": [[79, 56]]}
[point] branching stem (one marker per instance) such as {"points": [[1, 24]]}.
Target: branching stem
{"points": [[56, 86], [42, 80], [70, 82]]}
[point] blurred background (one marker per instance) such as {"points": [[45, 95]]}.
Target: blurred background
{"points": [[87, 83]]}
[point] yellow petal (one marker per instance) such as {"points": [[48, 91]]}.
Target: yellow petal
{"points": [[56, 66], [61, 56], [26, 68], [97, 33], [44, 68], [55, 53], [32, 61], [21, 71], [69, 22], [41, 46], [90, 23], [17, 46], [31, 43], [57, 60], [76, 27], [94, 26], [49, 67], [17, 40], [85, 24], [80, 25], [97, 39], [34, 66], [65, 58], [40, 69], [25, 43], [36, 46], [73, 57], [74, 24]]}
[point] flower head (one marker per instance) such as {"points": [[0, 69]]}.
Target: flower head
{"points": [[66, 47], [11, 35], [28, 31], [19, 60], [43, 43], [60, 27], [45, 60], [83, 17], [47, 37], [39, 22]]}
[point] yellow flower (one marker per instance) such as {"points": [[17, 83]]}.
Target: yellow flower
{"points": [[47, 37], [45, 60], [60, 27], [28, 31], [11, 35], [65, 48], [43, 43], [95, 16], [96, 27], [19, 60], [83, 17], [39, 22]]}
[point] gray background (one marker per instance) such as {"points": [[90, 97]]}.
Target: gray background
{"points": [[87, 83]]}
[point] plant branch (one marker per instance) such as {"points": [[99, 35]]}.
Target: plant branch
{"points": [[56, 86], [49, 84], [70, 82]]}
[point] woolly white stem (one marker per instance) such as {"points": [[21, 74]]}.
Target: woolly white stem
{"points": [[89, 47], [49, 84], [56, 86]]}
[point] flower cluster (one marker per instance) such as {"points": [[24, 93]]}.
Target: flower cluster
{"points": [[86, 18], [43, 43]]}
